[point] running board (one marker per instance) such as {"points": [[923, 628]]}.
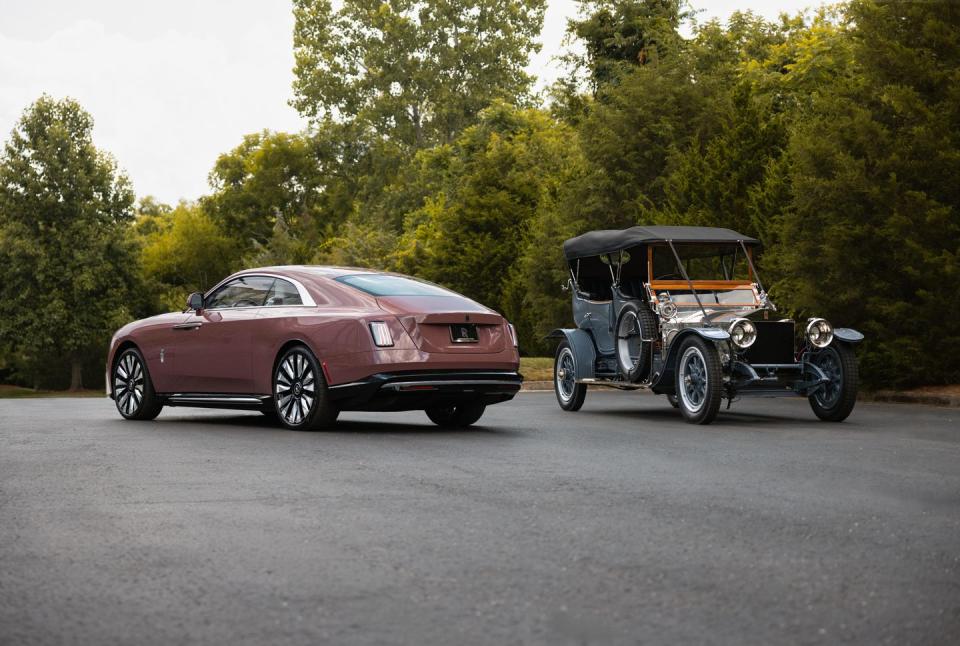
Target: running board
{"points": [[212, 400]]}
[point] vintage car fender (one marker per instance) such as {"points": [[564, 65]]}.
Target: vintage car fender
{"points": [[664, 381], [584, 352], [847, 335]]}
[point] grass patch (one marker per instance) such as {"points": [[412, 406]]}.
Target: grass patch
{"points": [[536, 368], [16, 392]]}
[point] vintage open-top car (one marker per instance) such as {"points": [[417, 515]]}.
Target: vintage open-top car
{"points": [[681, 311]]}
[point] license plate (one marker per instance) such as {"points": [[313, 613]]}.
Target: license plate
{"points": [[464, 333]]}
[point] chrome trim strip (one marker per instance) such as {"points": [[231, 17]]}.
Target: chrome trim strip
{"points": [[397, 385], [305, 298], [352, 383], [217, 399]]}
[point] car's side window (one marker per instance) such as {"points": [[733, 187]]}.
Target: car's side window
{"points": [[246, 291], [283, 293]]}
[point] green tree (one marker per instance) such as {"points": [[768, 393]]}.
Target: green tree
{"points": [[872, 233], [620, 34], [414, 73], [181, 251], [269, 173], [491, 197], [67, 267]]}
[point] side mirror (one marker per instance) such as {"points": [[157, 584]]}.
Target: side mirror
{"points": [[195, 301]]}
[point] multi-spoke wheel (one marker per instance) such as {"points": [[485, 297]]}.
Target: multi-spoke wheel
{"points": [[300, 392], [570, 394], [635, 323], [698, 381], [457, 416], [132, 388], [834, 400]]}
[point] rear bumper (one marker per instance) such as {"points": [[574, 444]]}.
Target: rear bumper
{"points": [[395, 391]]}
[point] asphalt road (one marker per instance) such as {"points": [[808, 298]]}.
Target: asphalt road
{"points": [[617, 524]]}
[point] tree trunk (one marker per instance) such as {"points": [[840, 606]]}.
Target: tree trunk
{"points": [[76, 374]]}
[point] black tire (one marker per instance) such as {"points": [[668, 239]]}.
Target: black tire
{"points": [[836, 400], [698, 380], [300, 396], [673, 401], [133, 391], [458, 416], [570, 394], [635, 322]]}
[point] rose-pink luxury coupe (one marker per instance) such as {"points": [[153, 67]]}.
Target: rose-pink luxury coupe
{"points": [[302, 343]]}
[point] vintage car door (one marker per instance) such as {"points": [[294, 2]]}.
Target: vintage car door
{"points": [[595, 316], [213, 347]]}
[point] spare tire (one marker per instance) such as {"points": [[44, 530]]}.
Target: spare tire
{"points": [[634, 324]]}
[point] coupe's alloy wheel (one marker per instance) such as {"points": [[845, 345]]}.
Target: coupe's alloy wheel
{"points": [[132, 387], [295, 388], [128, 384]]}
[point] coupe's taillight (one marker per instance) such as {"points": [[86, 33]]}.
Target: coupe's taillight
{"points": [[381, 334], [513, 334]]}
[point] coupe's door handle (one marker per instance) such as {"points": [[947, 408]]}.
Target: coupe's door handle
{"points": [[187, 326]]}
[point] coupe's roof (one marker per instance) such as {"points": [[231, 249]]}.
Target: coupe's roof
{"points": [[595, 243], [314, 270]]}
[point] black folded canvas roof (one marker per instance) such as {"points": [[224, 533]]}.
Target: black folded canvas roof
{"points": [[596, 243]]}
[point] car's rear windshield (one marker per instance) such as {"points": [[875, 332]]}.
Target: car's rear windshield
{"points": [[387, 285]]}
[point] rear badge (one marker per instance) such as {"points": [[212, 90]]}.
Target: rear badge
{"points": [[464, 333]]}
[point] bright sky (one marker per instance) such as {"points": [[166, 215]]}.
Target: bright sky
{"points": [[173, 84]]}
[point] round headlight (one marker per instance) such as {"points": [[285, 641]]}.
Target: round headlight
{"points": [[668, 309], [819, 333], [742, 333]]}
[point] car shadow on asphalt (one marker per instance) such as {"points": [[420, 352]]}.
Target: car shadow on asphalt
{"points": [[724, 417], [345, 426]]}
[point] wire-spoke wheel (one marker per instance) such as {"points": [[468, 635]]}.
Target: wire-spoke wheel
{"points": [[698, 381], [570, 394], [132, 388], [635, 323], [834, 400], [300, 392]]}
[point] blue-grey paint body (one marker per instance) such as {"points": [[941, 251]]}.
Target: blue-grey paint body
{"points": [[584, 352]]}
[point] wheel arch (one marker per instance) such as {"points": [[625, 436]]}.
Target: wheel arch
{"points": [[122, 347], [286, 345], [847, 335], [664, 384], [584, 352]]}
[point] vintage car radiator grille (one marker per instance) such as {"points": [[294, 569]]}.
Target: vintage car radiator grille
{"points": [[774, 343]]}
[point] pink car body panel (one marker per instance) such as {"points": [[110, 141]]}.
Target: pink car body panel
{"points": [[233, 350]]}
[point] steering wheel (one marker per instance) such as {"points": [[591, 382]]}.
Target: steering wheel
{"points": [[245, 303]]}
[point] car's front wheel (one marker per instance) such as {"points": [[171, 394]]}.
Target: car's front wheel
{"points": [[834, 400], [699, 385], [300, 395], [458, 416], [132, 387]]}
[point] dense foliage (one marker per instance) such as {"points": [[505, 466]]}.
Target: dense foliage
{"points": [[833, 136]]}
